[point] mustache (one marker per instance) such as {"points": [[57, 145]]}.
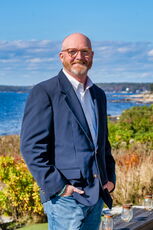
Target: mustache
{"points": [[80, 62]]}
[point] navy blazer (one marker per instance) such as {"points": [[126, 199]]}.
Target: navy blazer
{"points": [[57, 145]]}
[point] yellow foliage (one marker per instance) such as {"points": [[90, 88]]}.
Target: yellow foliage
{"points": [[19, 195]]}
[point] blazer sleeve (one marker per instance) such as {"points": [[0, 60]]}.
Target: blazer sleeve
{"points": [[110, 162], [36, 137]]}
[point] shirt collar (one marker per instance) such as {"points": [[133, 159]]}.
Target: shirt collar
{"points": [[75, 83]]}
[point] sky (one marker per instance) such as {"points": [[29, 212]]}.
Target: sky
{"points": [[31, 32]]}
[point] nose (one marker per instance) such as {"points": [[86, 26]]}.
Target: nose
{"points": [[79, 55]]}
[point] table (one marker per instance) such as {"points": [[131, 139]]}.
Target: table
{"points": [[142, 220]]}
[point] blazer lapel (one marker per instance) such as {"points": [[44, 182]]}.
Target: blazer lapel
{"points": [[74, 104]]}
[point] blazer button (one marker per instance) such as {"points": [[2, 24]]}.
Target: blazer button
{"points": [[95, 175]]}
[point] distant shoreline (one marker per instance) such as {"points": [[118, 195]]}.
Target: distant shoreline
{"points": [[142, 98]]}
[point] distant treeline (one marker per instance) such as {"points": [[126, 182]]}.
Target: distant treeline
{"points": [[125, 86], [108, 87], [8, 88]]}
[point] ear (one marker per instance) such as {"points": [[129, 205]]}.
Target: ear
{"points": [[61, 56]]}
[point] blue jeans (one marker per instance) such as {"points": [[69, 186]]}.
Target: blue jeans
{"points": [[65, 213]]}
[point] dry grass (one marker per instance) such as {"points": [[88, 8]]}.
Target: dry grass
{"points": [[134, 168], [9, 145]]}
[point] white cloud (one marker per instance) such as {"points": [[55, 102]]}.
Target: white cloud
{"points": [[123, 49], [7, 61], [44, 43], [150, 53], [102, 48], [39, 50], [39, 60]]}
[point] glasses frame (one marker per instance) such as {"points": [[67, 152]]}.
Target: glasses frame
{"points": [[78, 50]]}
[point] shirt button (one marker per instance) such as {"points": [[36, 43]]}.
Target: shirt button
{"points": [[95, 175]]}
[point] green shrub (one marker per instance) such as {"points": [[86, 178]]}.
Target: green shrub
{"points": [[118, 135], [139, 119], [134, 124]]}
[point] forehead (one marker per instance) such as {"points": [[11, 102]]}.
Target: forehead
{"points": [[76, 42]]}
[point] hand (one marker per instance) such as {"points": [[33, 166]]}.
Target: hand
{"points": [[109, 185], [70, 189]]}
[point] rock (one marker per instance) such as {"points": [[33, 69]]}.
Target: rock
{"points": [[131, 141], [5, 219]]}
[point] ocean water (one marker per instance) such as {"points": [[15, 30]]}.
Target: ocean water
{"points": [[11, 112], [116, 103], [12, 108]]}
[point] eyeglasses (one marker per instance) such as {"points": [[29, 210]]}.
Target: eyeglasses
{"points": [[72, 52]]}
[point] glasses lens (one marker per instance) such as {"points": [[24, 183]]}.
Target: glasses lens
{"points": [[72, 52], [86, 52]]}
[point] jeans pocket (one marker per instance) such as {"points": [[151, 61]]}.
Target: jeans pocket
{"points": [[45, 206]]}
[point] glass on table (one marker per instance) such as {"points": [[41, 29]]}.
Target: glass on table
{"points": [[106, 222], [148, 203], [127, 212]]}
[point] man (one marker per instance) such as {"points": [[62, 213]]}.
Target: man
{"points": [[64, 141]]}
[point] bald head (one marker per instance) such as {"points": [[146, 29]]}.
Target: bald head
{"points": [[76, 39]]}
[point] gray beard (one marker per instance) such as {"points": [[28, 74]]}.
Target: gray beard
{"points": [[79, 71]]}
